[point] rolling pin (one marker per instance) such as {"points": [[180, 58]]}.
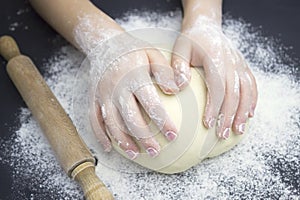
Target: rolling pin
{"points": [[71, 151]]}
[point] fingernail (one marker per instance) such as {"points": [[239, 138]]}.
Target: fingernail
{"points": [[168, 91], [241, 128], [182, 79], [173, 89], [225, 133], [210, 122], [221, 119], [131, 154], [171, 135], [152, 152]]}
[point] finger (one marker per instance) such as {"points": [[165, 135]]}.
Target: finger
{"points": [[116, 130], [136, 124], [242, 113], [96, 120], [149, 99], [230, 105], [254, 92], [253, 85], [215, 93], [181, 58], [162, 72]]}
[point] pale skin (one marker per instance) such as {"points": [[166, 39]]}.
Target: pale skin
{"points": [[232, 92]]}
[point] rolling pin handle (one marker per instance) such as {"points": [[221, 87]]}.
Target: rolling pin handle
{"points": [[8, 47], [92, 186]]}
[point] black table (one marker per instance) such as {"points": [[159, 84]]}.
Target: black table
{"points": [[277, 18]]}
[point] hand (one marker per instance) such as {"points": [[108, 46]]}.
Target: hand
{"points": [[121, 87], [231, 87], [124, 85]]}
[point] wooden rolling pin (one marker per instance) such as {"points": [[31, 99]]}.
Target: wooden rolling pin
{"points": [[71, 151]]}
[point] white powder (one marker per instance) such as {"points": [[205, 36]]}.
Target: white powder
{"points": [[88, 40], [264, 165], [13, 26], [28, 152], [23, 11]]}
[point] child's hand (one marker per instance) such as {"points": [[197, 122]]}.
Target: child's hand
{"points": [[125, 85], [232, 92]]}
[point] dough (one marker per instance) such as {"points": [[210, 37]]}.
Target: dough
{"points": [[194, 142]]}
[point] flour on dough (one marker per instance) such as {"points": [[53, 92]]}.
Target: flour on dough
{"points": [[194, 142]]}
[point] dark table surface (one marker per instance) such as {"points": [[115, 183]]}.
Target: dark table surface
{"points": [[278, 18]]}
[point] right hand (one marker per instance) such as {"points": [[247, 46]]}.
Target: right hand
{"points": [[115, 112], [231, 86]]}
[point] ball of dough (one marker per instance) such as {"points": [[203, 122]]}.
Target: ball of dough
{"points": [[194, 142]]}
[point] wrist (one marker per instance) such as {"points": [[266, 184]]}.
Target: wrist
{"points": [[93, 27], [210, 10]]}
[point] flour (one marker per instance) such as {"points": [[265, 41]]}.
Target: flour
{"points": [[88, 40], [13, 26], [265, 164], [23, 11]]}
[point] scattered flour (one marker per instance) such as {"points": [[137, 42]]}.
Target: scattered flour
{"points": [[264, 166], [23, 11], [13, 26], [17, 25]]}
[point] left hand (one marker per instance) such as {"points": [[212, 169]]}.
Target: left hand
{"points": [[231, 86], [122, 88]]}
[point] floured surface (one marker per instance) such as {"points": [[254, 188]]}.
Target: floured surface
{"points": [[265, 164]]}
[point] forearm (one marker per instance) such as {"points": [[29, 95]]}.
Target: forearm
{"points": [[79, 22], [212, 9]]}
